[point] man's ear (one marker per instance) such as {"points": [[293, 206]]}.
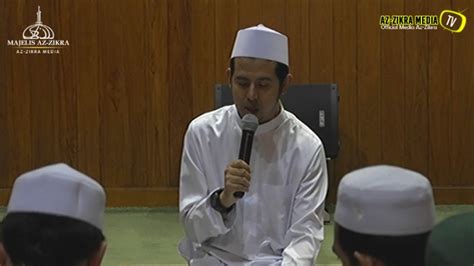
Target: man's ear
{"points": [[3, 255], [96, 259], [367, 260], [286, 84]]}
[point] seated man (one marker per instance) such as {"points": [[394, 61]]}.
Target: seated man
{"points": [[452, 242], [383, 217], [279, 220], [54, 218]]}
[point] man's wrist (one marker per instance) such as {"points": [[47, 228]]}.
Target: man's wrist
{"points": [[218, 204], [225, 200]]}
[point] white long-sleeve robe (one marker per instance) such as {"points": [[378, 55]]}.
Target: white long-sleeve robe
{"points": [[280, 220]]}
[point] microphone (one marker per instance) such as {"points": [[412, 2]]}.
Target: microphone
{"points": [[249, 125]]}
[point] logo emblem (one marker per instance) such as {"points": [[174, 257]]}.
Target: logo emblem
{"points": [[452, 20], [38, 38], [38, 30]]}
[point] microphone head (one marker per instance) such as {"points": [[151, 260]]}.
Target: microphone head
{"points": [[249, 122]]}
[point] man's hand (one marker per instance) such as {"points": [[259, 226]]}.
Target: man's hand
{"points": [[237, 178]]}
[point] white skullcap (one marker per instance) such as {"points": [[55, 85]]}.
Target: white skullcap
{"points": [[59, 190], [385, 200], [261, 42]]}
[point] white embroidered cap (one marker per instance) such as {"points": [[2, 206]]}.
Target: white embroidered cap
{"points": [[385, 200], [261, 42], [59, 190]]}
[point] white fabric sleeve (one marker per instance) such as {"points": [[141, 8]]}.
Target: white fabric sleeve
{"points": [[307, 223], [199, 219]]}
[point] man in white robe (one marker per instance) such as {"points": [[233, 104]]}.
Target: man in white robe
{"points": [[279, 220]]}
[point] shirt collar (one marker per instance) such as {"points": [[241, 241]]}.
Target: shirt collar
{"points": [[265, 127]]}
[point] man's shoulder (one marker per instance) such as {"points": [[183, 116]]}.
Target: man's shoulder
{"points": [[211, 118], [305, 134]]}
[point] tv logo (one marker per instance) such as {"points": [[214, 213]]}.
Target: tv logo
{"points": [[452, 20]]}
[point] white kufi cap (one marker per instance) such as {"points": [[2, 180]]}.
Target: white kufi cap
{"points": [[59, 190], [261, 42], [385, 200]]}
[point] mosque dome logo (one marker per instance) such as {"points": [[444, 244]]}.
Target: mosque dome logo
{"points": [[38, 38], [38, 30]]}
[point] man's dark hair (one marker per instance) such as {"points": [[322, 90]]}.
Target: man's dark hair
{"points": [[391, 250], [281, 70], [34, 239]]}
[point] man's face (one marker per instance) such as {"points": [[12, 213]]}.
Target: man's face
{"points": [[256, 89]]}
